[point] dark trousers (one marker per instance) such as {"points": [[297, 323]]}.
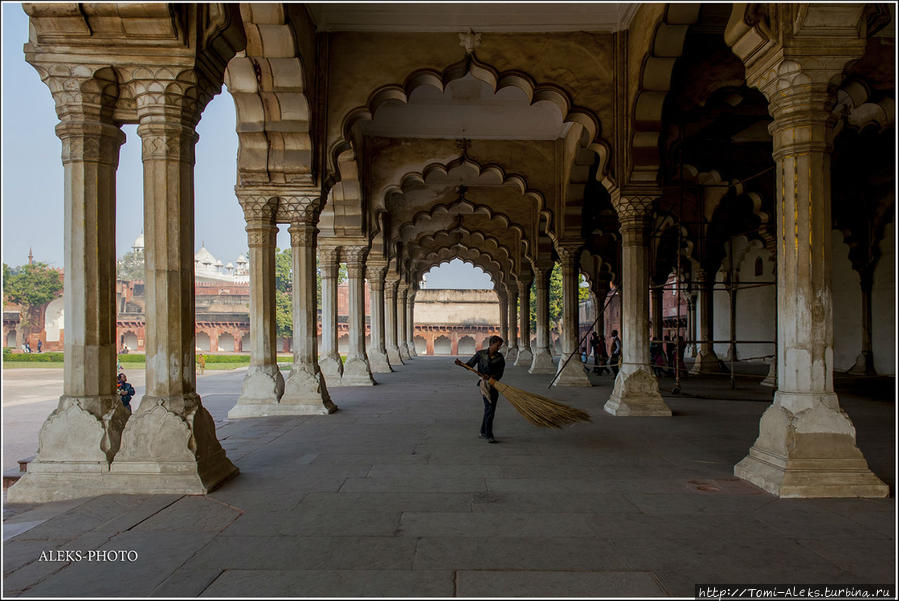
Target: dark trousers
{"points": [[489, 412]]}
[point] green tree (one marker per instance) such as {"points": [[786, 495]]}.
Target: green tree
{"points": [[31, 287], [555, 297], [131, 266]]}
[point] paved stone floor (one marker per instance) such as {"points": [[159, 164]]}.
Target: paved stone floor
{"points": [[395, 495]]}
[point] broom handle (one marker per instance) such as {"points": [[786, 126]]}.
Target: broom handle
{"points": [[474, 371]]}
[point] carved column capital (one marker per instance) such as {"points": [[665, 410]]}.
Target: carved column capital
{"points": [[633, 208], [375, 273], [258, 208], [298, 209], [328, 260], [355, 260], [569, 253], [302, 234]]}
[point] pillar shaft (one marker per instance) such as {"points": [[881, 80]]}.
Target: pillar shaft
{"points": [[401, 332], [636, 390], [503, 320], [543, 360], [329, 268], [390, 320], [377, 352], [305, 391], [706, 359], [512, 356], [410, 321], [525, 355], [572, 372], [356, 372], [263, 384]]}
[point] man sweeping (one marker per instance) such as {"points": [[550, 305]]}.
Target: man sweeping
{"points": [[491, 364]]}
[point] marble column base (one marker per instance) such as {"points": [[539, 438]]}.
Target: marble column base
{"points": [[263, 385], [170, 452], [75, 448], [862, 366], [636, 394], [404, 352], [331, 368], [706, 363], [793, 457], [412, 352], [572, 374], [525, 357], [771, 379], [512, 355], [379, 363], [305, 393], [393, 356], [542, 363], [356, 373]]}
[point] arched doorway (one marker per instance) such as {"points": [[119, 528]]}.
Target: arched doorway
{"points": [[443, 346], [226, 343], [203, 341], [421, 345], [466, 346]]}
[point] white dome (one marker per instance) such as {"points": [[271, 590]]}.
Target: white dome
{"points": [[230, 265], [218, 263], [204, 256], [138, 242], [241, 259]]}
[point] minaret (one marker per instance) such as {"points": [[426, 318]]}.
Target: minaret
{"points": [[30, 257]]}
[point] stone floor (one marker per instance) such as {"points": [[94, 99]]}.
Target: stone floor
{"points": [[395, 495]]}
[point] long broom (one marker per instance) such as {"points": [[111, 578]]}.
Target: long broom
{"points": [[535, 408]]}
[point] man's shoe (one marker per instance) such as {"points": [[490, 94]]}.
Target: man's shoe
{"points": [[491, 440], [482, 436]]}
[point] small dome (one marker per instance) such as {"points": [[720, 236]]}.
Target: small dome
{"points": [[241, 259], [230, 265], [138, 242], [218, 263], [204, 256]]}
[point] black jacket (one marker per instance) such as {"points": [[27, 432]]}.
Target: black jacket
{"points": [[493, 367]]}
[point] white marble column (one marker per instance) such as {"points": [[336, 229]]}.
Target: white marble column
{"points": [[636, 390], [79, 439], [402, 298], [377, 352], [503, 317], [169, 444], [543, 359], [329, 267], [410, 321], [525, 355], [356, 372], [572, 372], [806, 445], [391, 283], [305, 391], [512, 320], [263, 384], [707, 361]]}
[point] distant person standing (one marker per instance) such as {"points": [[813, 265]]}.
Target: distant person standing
{"points": [[39, 345], [615, 357], [126, 391]]}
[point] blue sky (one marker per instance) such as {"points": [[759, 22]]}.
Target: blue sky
{"points": [[32, 174]]}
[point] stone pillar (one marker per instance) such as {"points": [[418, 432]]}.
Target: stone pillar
{"points": [[356, 372], [864, 363], [169, 444], [410, 321], [329, 268], [806, 445], [391, 283], [572, 372], [543, 359], [79, 439], [305, 391], [691, 325], [636, 390], [377, 352], [525, 355], [402, 299], [263, 384], [503, 318], [512, 355], [657, 295], [706, 360]]}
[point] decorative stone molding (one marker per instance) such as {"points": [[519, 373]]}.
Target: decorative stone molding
{"points": [[258, 208], [355, 260]]}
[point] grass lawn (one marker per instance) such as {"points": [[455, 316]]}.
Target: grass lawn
{"points": [[31, 364]]}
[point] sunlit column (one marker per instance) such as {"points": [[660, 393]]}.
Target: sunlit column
{"points": [[356, 372], [571, 370], [525, 355], [543, 359], [377, 352], [329, 267]]}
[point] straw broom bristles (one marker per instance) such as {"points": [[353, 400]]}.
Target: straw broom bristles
{"points": [[536, 408]]}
